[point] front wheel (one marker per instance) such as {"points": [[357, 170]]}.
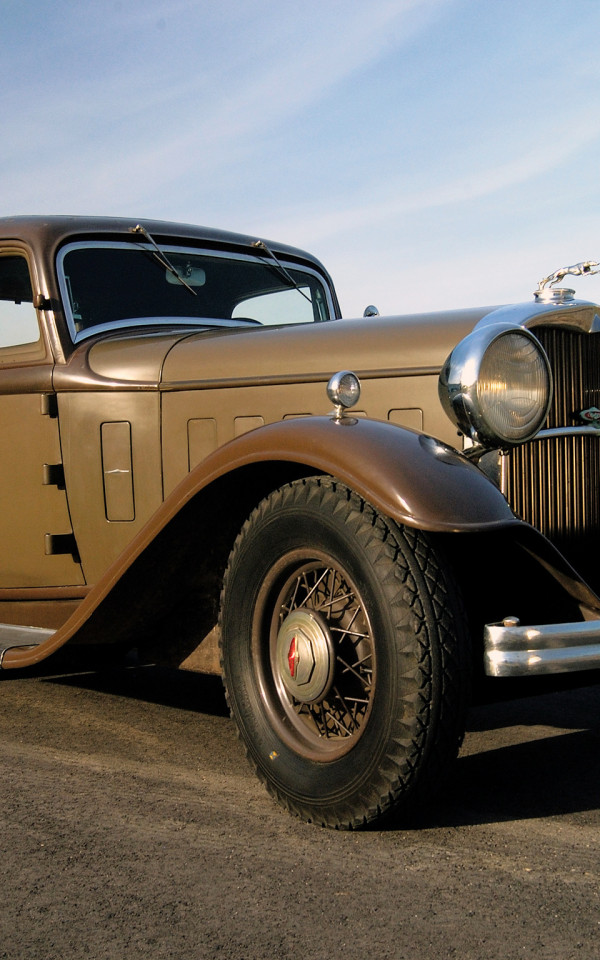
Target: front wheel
{"points": [[344, 656]]}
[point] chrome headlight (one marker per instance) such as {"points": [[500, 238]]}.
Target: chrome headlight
{"points": [[496, 385], [344, 391]]}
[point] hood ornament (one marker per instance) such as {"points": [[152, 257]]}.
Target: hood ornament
{"points": [[548, 293]]}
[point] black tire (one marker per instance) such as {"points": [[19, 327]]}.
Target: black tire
{"points": [[344, 656]]}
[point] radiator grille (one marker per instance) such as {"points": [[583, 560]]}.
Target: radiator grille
{"points": [[554, 483]]}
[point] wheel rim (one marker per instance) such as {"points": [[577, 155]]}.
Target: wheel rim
{"points": [[315, 655]]}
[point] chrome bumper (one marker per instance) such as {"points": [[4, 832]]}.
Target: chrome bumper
{"points": [[511, 650]]}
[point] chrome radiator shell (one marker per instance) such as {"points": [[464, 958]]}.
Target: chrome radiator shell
{"points": [[553, 482]]}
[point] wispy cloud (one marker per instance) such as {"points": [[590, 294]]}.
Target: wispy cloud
{"points": [[525, 164], [149, 122], [396, 127]]}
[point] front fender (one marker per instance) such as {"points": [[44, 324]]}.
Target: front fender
{"points": [[409, 477]]}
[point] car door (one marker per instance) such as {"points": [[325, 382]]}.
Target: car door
{"points": [[38, 547]]}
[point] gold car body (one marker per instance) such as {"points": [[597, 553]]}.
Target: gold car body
{"points": [[131, 457]]}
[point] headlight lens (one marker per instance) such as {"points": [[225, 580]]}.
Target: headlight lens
{"points": [[497, 385], [513, 387]]}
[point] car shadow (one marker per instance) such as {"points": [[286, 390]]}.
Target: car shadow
{"points": [[549, 768], [127, 678], [540, 778], [524, 756]]}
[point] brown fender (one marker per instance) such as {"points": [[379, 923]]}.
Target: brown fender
{"points": [[411, 478]]}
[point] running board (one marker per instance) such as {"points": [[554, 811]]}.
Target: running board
{"points": [[13, 635]]}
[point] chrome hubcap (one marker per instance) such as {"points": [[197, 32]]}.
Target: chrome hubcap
{"points": [[305, 656]]}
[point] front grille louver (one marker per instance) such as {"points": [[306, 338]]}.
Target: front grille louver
{"points": [[553, 483]]}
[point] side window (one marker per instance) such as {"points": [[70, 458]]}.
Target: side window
{"points": [[18, 317]]}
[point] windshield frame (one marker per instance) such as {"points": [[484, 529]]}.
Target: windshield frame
{"points": [[177, 322]]}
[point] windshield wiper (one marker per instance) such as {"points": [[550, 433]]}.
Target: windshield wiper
{"points": [[261, 245], [162, 257]]}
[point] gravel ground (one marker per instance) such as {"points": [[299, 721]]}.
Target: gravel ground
{"points": [[132, 827]]}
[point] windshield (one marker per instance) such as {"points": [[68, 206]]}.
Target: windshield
{"points": [[119, 284]]}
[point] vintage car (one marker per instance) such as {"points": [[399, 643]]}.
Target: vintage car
{"points": [[351, 520]]}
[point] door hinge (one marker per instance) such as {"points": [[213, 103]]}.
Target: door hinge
{"points": [[49, 405], [55, 543], [54, 475]]}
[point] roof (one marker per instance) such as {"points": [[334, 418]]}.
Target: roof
{"points": [[52, 231]]}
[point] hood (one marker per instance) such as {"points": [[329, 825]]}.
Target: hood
{"points": [[368, 346]]}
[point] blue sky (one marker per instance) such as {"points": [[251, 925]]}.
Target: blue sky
{"points": [[433, 153]]}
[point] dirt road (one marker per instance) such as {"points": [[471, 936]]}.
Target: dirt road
{"points": [[132, 827]]}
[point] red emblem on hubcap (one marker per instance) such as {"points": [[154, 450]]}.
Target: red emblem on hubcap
{"points": [[293, 658]]}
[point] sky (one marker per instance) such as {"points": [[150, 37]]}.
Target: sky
{"points": [[434, 154]]}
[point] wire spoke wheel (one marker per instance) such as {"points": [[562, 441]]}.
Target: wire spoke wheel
{"points": [[345, 656], [321, 665]]}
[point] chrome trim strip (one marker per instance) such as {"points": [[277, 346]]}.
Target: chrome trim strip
{"points": [[566, 432], [579, 314], [279, 379], [514, 650]]}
